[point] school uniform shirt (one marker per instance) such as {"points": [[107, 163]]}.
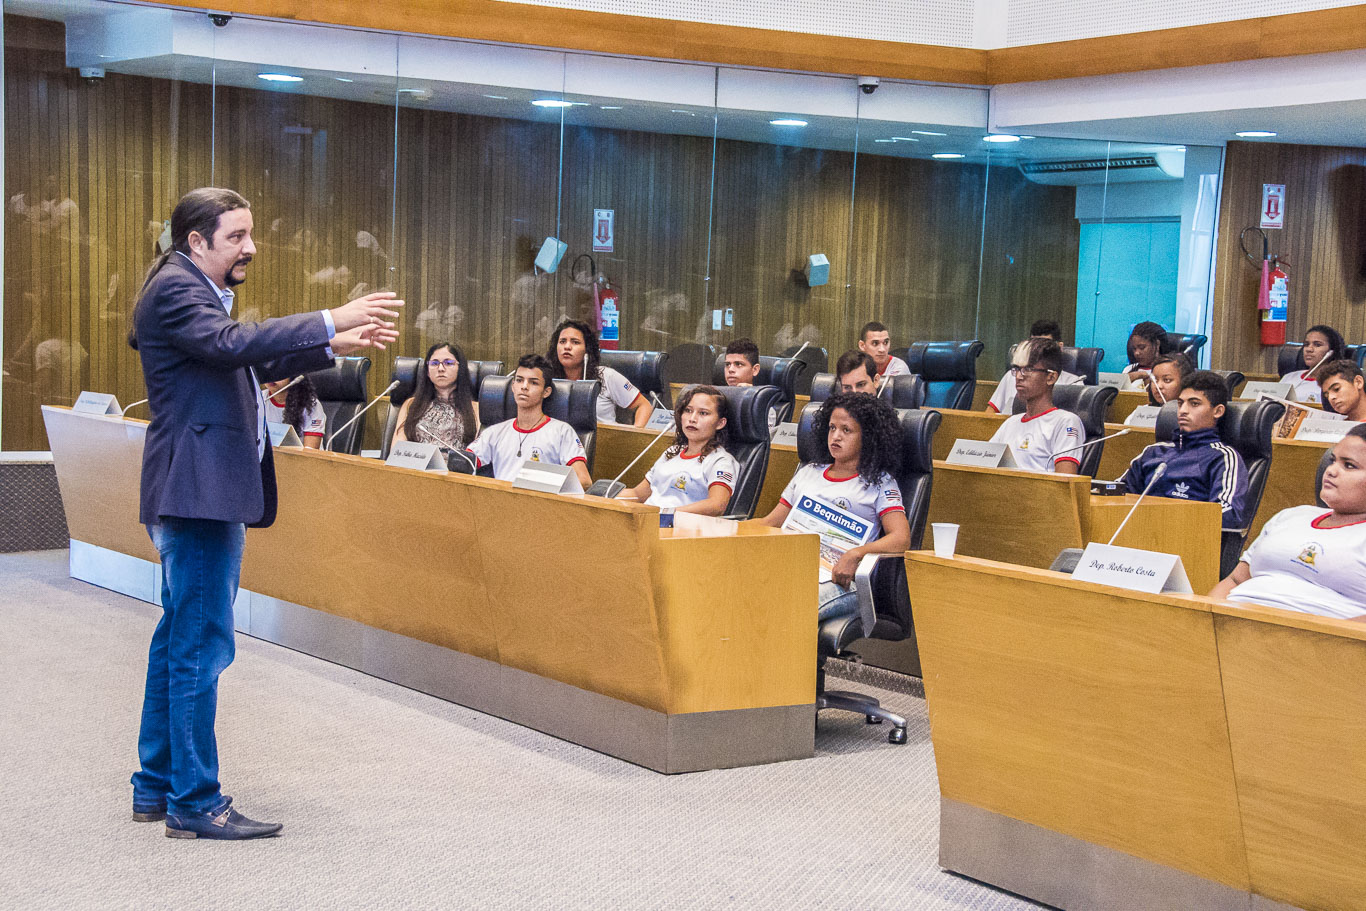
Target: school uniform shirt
{"points": [[683, 479], [1299, 565], [867, 501], [617, 392], [1034, 440], [1200, 466], [314, 423], [1135, 385], [1306, 390], [506, 446], [1003, 399], [895, 367]]}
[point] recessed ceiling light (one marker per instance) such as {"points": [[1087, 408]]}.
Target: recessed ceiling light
{"points": [[609, 107], [884, 140], [1256, 134], [1001, 137], [1026, 137], [948, 155], [414, 91], [904, 139], [928, 133], [555, 103], [279, 77], [497, 97], [788, 122], [681, 111], [343, 79]]}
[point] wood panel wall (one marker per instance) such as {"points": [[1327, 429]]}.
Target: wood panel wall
{"points": [[1324, 240], [453, 226]]}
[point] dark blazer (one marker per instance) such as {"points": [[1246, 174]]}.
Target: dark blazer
{"points": [[200, 458]]}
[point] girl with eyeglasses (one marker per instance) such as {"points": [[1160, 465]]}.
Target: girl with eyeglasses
{"points": [[441, 409]]}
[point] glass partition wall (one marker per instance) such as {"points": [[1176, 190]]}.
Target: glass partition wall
{"points": [[440, 169]]}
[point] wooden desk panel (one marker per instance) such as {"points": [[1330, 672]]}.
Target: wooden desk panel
{"points": [[1189, 529], [958, 425], [782, 465], [618, 445], [1081, 709]]}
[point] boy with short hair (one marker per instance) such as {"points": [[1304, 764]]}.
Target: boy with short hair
{"points": [[1044, 438], [856, 372], [532, 435], [1344, 389], [742, 362], [876, 342], [1200, 466], [1003, 399]]}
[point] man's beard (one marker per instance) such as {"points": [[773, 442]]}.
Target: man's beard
{"points": [[230, 279]]}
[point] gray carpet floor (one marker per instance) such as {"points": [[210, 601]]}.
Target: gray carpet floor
{"points": [[394, 799]]}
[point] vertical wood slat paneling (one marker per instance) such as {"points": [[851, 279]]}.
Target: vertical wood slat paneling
{"points": [[474, 198], [1324, 240]]}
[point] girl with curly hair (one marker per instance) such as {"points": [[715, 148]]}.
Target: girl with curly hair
{"points": [[855, 473], [574, 354], [695, 474], [299, 408]]}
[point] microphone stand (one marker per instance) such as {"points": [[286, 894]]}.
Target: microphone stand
{"points": [[333, 438], [1161, 470]]}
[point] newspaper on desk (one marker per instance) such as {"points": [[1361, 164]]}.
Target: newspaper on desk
{"points": [[839, 530], [1295, 414]]}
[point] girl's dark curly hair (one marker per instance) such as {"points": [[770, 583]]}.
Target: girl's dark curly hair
{"points": [[299, 401], [718, 440], [880, 453], [592, 353]]}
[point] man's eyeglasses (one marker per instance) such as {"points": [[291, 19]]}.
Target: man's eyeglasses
{"points": [[448, 362], [1027, 370]]}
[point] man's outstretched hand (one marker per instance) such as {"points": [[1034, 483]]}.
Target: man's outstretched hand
{"points": [[381, 308]]}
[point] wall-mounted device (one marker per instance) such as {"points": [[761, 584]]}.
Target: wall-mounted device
{"points": [[816, 270], [552, 251]]}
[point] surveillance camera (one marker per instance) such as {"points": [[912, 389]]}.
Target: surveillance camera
{"points": [[868, 84], [220, 19]]}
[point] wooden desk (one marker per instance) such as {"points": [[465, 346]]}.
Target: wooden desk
{"points": [[1123, 405], [1103, 748], [1027, 517], [594, 628]]}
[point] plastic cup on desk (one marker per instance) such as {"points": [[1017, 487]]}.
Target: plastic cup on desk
{"points": [[945, 539]]}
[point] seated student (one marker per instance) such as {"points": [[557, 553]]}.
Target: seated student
{"points": [[1147, 342], [1344, 389], [441, 408], [1165, 379], [862, 447], [695, 474], [856, 372], [532, 435], [1200, 466], [875, 341], [574, 355], [299, 409], [1044, 438], [1003, 399], [1307, 559], [1321, 345], [742, 362]]}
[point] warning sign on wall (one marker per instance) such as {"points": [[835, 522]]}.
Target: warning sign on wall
{"points": [[1273, 205], [603, 230]]}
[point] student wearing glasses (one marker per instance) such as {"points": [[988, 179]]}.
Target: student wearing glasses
{"points": [[533, 435], [1003, 399], [441, 408], [1044, 438]]}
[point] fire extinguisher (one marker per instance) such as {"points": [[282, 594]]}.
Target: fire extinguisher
{"points": [[1273, 291], [606, 305]]}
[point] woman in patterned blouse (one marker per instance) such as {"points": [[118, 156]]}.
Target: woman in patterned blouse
{"points": [[441, 409]]}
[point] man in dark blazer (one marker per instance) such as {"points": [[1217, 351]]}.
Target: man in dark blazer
{"points": [[207, 474]]}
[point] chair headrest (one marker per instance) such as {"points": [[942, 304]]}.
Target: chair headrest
{"points": [[345, 381], [690, 363], [405, 374], [1089, 403], [1186, 343], [773, 371], [917, 439], [1246, 426], [750, 410], [1290, 358], [574, 402], [944, 361], [1233, 378], [904, 391], [643, 368], [822, 386]]}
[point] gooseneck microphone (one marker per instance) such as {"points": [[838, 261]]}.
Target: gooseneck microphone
{"points": [[1161, 470], [286, 386], [133, 405], [1092, 442], [333, 438]]}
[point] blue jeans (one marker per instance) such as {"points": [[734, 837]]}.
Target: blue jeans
{"points": [[193, 643]]}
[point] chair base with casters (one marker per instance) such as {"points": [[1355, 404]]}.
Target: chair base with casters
{"points": [[883, 573]]}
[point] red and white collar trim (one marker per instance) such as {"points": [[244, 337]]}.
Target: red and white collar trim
{"points": [[1026, 419], [826, 474], [545, 419], [684, 455], [1315, 523]]}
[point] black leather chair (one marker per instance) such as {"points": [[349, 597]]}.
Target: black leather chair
{"points": [[881, 578], [1246, 426], [817, 360], [1290, 358], [343, 390], [782, 372], [645, 370], [405, 374], [1084, 362], [687, 363], [748, 443], [949, 370], [1234, 379], [480, 371], [905, 391], [1188, 344], [575, 402], [1090, 403]]}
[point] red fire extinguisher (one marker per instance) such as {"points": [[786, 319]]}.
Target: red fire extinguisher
{"points": [[1273, 292], [606, 305]]}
